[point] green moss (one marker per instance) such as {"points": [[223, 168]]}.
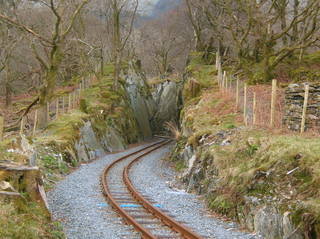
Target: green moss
{"points": [[202, 76], [222, 204], [28, 222], [304, 73], [52, 164], [108, 69], [312, 58], [180, 166], [64, 131]]}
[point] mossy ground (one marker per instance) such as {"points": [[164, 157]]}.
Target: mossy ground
{"points": [[28, 222], [202, 76], [56, 152], [282, 169]]}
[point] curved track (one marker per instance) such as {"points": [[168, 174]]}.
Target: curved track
{"points": [[137, 210]]}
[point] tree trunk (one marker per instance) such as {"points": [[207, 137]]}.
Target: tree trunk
{"points": [[101, 62], [42, 117], [116, 44], [8, 93], [267, 69], [295, 32]]}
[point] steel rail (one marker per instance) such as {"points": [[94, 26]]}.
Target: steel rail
{"points": [[106, 192], [166, 220], [170, 222]]}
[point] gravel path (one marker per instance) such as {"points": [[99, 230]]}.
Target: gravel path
{"points": [[78, 203], [151, 177]]}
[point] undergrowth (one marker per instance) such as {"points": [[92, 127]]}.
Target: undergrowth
{"points": [[279, 169], [28, 222]]}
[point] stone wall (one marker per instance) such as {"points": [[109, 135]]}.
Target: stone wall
{"points": [[294, 98]]}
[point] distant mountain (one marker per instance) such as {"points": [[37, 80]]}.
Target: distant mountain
{"points": [[163, 6]]}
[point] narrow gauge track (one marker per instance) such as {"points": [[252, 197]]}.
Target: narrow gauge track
{"points": [[137, 210]]}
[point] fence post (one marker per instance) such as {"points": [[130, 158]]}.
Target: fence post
{"points": [[22, 126], [305, 105], [219, 76], [79, 96], [57, 108], [226, 83], [1, 127], [217, 59], [63, 104], [273, 102], [35, 122], [237, 93], [254, 108], [48, 112], [74, 99], [223, 80], [245, 104], [69, 103]]}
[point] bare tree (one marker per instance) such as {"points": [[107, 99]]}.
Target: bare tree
{"points": [[52, 55], [121, 36]]}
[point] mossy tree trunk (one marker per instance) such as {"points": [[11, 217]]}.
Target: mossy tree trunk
{"points": [[53, 45], [267, 66], [116, 43]]}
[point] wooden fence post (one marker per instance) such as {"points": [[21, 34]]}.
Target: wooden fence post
{"points": [[245, 105], [74, 98], [225, 87], [35, 123], [69, 103], [254, 108], [237, 93], [22, 126], [273, 102], [63, 104], [48, 111], [223, 80], [219, 77], [1, 127], [305, 105], [79, 96], [217, 60], [57, 108]]}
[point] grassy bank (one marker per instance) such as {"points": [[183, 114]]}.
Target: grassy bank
{"points": [[236, 162], [106, 110]]}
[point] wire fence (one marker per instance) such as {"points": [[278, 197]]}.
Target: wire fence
{"points": [[261, 106], [57, 107]]}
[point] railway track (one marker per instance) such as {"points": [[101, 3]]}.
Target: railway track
{"points": [[141, 212]]}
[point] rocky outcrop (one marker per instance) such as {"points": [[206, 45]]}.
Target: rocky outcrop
{"points": [[167, 97], [261, 215], [140, 97], [152, 110], [90, 146]]}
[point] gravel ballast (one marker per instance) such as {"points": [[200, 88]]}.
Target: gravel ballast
{"points": [[152, 176], [78, 203]]}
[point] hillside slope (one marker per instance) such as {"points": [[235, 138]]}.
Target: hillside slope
{"points": [[268, 182]]}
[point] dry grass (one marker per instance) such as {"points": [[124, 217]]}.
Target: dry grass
{"points": [[29, 222], [174, 129]]}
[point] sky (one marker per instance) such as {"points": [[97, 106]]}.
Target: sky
{"points": [[147, 5]]}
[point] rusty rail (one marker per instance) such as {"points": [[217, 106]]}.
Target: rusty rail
{"points": [[168, 221], [145, 233]]}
